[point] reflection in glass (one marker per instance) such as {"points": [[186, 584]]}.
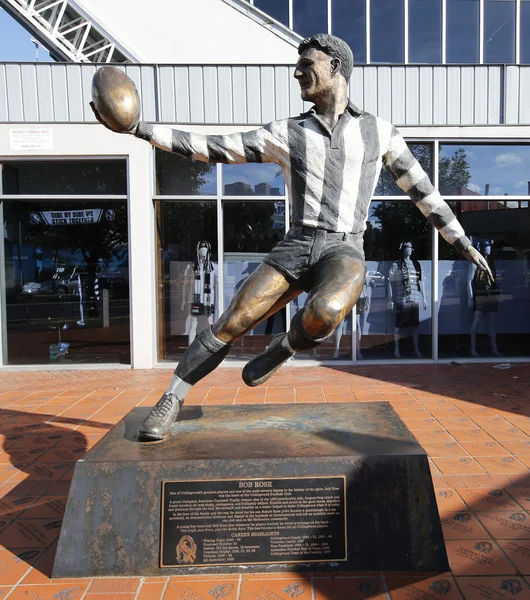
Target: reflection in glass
{"points": [[277, 9], [251, 230], [181, 176], [253, 179], [53, 177], [525, 32], [499, 31], [348, 21], [484, 170], [187, 273], [397, 314], [310, 17], [462, 31], [387, 42], [425, 31], [386, 186], [67, 282], [475, 319]]}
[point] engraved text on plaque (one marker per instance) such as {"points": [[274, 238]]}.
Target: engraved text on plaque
{"points": [[245, 521]]}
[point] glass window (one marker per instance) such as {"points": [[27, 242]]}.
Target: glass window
{"points": [[183, 177], [462, 31], [310, 17], [67, 282], [394, 313], [484, 170], [499, 31], [253, 179], [54, 177], [251, 230], [386, 186], [277, 9], [425, 31], [187, 273], [348, 21], [525, 32], [476, 319], [387, 31]]}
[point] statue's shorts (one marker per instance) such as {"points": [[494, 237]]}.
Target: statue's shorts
{"points": [[304, 248]]}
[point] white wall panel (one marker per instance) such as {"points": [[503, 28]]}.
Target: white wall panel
{"points": [[254, 94], [180, 95], [282, 76], [494, 95], [412, 100], [4, 113], [211, 95], [29, 92], [224, 80], [267, 94], [14, 93], [425, 91], [453, 95], [467, 96]]}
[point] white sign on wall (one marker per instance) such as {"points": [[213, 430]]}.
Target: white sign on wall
{"points": [[31, 139]]}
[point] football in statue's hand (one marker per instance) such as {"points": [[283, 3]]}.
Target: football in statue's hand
{"points": [[116, 99]]}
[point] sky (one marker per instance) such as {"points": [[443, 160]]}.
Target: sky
{"points": [[16, 44]]}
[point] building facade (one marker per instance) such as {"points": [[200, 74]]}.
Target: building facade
{"points": [[117, 254]]}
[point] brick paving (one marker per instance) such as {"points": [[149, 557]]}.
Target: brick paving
{"points": [[472, 420]]}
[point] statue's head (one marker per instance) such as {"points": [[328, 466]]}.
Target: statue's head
{"points": [[325, 65]]}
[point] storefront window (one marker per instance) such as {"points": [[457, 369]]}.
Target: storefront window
{"points": [[387, 21], [187, 273], [277, 9], [476, 319], [499, 31], [462, 31], [310, 17], [525, 32], [394, 313], [425, 31], [386, 186], [253, 179], [53, 177], [251, 230], [67, 281], [183, 177], [348, 21], [484, 170]]}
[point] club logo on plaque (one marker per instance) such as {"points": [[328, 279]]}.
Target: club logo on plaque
{"points": [[220, 591], [186, 550]]}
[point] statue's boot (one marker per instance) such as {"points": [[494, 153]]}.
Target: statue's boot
{"points": [[162, 416], [261, 368], [203, 355]]}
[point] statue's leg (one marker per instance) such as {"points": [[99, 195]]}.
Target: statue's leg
{"points": [[337, 285], [264, 292]]}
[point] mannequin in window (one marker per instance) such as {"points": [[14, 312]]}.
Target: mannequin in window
{"points": [[362, 308], [483, 298], [405, 292], [202, 298]]}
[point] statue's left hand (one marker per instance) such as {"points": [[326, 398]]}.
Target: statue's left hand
{"points": [[476, 258]]}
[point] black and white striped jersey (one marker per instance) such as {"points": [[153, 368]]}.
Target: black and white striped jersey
{"points": [[330, 175]]}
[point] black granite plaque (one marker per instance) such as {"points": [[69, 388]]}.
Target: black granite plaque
{"points": [[253, 521]]}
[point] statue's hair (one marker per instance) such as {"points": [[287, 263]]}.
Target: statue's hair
{"points": [[334, 47]]}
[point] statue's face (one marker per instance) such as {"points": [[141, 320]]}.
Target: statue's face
{"points": [[316, 73]]}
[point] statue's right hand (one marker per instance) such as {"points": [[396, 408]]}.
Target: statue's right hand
{"points": [[470, 302], [391, 305]]}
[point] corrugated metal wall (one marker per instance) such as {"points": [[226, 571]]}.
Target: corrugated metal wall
{"points": [[405, 95]]}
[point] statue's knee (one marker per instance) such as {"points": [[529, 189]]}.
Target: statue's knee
{"points": [[321, 316], [232, 325]]}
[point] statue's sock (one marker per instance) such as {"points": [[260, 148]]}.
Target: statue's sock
{"points": [[204, 354]]}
